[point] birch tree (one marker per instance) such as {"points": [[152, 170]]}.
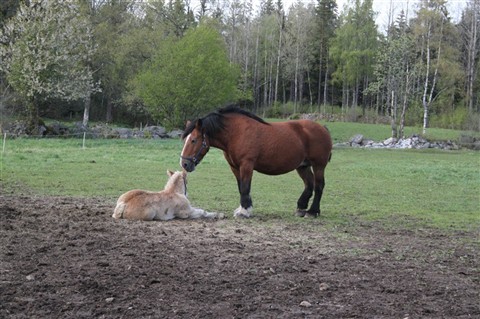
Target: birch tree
{"points": [[470, 28], [394, 74], [428, 30]]}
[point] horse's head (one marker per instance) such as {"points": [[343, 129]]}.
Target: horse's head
{"points": [[177, 182], [195, 146]]}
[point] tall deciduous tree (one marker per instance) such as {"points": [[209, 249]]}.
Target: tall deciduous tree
{"points": [[353, 50], [470, 32], [111, 21], [394, 74], [46, 52], [298, 53], [188, 77], [326, 23], [437, 55]]}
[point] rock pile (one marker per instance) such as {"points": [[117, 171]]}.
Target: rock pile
{"points": [[17, 129], [414, 142]]}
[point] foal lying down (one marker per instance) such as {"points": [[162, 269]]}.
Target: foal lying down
{"points": [[168, 204]]}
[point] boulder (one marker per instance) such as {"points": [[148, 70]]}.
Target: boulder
{"points": [[356, 140], [390, 141], [58, 129], [175, 134], [123, 132], [155, 132]]}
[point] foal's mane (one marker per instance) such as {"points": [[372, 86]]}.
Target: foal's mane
{"points": [[214, 122]]}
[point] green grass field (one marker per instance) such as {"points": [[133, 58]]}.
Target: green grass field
{"points": [[406, 188]]}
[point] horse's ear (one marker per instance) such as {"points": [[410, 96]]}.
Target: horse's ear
{"points": [[198, 124], [170, 173]]}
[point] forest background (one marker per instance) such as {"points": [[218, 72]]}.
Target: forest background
{"points": [[164, 62]]}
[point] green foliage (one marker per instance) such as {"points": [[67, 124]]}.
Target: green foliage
{"points": [[46, 54], [455, 119], [48, 47], [355, 45], [423, 188], [188, 77], [301, 54]]}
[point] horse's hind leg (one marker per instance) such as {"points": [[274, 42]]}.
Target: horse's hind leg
{"points": [[306, 174], [314, 210]]}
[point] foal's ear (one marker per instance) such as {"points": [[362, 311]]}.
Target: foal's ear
{"points": [[170, 173]]}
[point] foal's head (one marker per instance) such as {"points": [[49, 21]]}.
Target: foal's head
{"points": [[177, 182]]}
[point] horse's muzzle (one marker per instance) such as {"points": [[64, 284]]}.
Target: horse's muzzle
{"points": [[187, 164]]}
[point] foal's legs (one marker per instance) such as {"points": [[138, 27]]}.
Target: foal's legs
{"points": [[194, 213], [306, 174]]}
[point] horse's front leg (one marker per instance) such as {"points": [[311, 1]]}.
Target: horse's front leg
{"points": [[244, 181]]}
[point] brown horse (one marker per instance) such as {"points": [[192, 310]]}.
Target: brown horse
{"points": [[249, 143]]}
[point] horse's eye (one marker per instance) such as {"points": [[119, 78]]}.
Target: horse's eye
{"points": [[194, 141]]}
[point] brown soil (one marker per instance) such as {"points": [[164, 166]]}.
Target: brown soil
{"points": [[66, 257]]}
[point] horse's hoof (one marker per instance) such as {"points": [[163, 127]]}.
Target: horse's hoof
{"points": [[311, 215], [300, 213], [241, 212]]}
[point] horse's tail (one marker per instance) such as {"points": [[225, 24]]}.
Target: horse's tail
{"points": [[330, 155], [119, 210]]}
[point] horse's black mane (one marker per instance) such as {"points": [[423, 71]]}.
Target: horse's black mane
{"points": [[214, 122]]}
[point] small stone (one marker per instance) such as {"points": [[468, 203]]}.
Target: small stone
{"points": [[110, 299], [305, 304], [323, 286], [30, 277], [390, 141]]}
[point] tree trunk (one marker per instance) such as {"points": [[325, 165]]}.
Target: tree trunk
{"points": [[320, 65], [393, 116], [86, 112], [472, 52], [32, 117], [425, 86], [427, 102], [109, 116], [325, 87], [277, 71], [255, 73], [405, 104], [310, 90], [297, 61]]}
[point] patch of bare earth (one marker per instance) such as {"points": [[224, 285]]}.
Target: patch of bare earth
{"points": [[67, 258]]}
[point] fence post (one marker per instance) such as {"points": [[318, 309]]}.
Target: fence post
{"points": [[83, 144], [4, 140]]}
